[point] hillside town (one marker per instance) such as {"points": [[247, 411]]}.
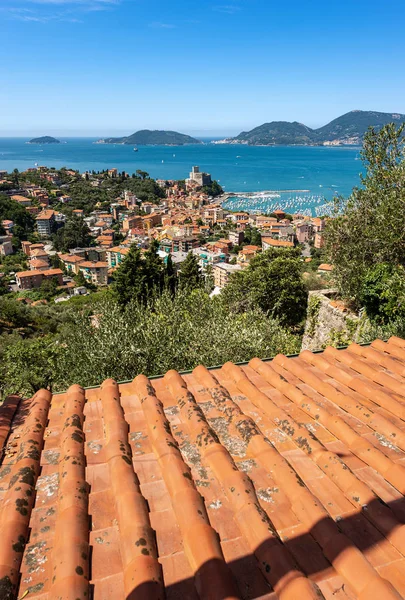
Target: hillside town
{"points": [[188, 217]]}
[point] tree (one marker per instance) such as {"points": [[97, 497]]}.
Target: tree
{"points": [[142, 174], [80, 278], [167, 332], [23, 221], [153, 269], [273, 282], [190, 274], [383, 293], [75, 234], [369, 228], [129, 278], [170, 276], [252, 237], [29, 365], [213, 189]]}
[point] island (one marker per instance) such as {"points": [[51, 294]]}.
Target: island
{"points": [[146, 137], [46, 139], [347, 130]]}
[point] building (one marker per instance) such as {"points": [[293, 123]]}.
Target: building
{"points": [[71, 263], [26, 280], [37, 264], [132, 222], [45, 223], [325, 268], [8, 225], [236, 237], [222, 271], [115, 256], [95, 272], [318, 224], [247, 253], [303, 232], [270, 243], [199, 178], [6, 247], [207, 258], [22, 200], [319, 240], [315, 516]]}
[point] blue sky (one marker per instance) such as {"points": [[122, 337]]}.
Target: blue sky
{"points": [[107, 67]]}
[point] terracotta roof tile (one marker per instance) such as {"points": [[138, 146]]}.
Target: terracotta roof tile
{"points": [[282, 478]]}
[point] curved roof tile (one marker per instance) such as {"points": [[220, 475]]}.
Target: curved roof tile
{"points": [[280, 478]]}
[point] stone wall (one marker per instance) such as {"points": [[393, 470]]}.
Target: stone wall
{"points": [[329, 322]]}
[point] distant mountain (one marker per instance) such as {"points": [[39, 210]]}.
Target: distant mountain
{"points": [[147, 137], [277, 132], [46, 139], [349, 129]]}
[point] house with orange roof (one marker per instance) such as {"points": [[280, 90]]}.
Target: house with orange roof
{"points": [[247, 253], [95, 272], [26, 280], [71, 262], [105, 241], [22, 200], [325, 268], [8, 225], [318, 224], [115, 256], [39, 264], [271, 243]]}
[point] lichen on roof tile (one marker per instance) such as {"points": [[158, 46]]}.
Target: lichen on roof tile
{"points": [[282, 478]]}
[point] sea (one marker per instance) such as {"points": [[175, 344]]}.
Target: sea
{"points": [[294, 178]]}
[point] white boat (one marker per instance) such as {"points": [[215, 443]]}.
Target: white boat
{"points": [[135, 149]]}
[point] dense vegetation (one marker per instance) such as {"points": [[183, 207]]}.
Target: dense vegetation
{"points": [[353, 125], [151, 320], [45, 139], [366, 239], [146, 137], [10, 210]]}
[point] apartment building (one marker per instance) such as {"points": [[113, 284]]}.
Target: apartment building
{"points": [[27, 280], [95, 272], [222, 271], [45, 223]]}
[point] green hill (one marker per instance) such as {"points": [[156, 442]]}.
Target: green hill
{"points": [[353, 125], [347, 129], [277, 132], [147, 137], [46, 139]]}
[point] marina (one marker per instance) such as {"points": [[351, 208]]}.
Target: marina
{"points": [[290, 201]]}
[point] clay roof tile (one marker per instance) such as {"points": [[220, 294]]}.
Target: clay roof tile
{"points": [[285, 475]]}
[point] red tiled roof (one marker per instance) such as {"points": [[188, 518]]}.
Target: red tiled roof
{"points": [[37, 262], [277, 243], [325, 267], [45, 215], [286, 475], [71, 258], [88, 264]]}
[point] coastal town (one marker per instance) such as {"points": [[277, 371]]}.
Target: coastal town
{"points": [[186, 219]]}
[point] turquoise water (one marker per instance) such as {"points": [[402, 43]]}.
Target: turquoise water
{"points": [[321, 172]]}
